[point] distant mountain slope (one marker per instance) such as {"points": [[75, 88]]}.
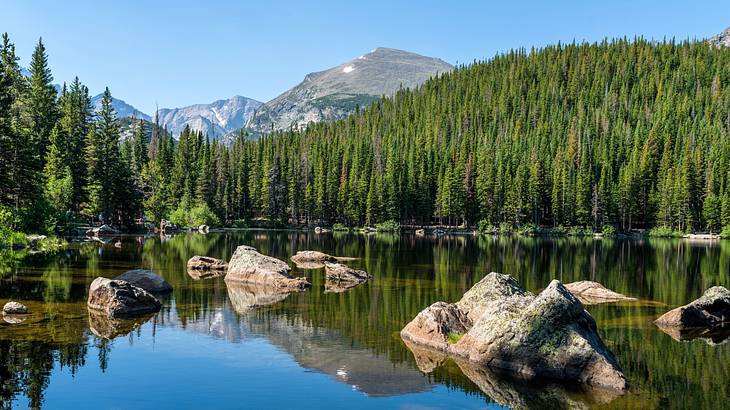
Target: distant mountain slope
{"points": [[121, 107], [215, 119], [334, 93], [722, 39]]}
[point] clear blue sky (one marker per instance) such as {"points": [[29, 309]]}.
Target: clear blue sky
{"points": [[176, 53]]}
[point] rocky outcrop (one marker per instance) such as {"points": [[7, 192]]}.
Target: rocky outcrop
{"points": [[721, 40], [500, 325], [341, 277], [147, 280], [249, 266], [312, 259], [203, 229], [120, 299], [711, 310], [15, 308], [202, 267], [104, 230], [593, 293]]}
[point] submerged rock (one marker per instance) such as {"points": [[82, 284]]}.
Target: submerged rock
{"points": [[312, 259], [119, 298], [15, 308], [201, 267], [500, 325], [341, 277], [593, 293], [711, 310], [249, 266], [147, 280]]}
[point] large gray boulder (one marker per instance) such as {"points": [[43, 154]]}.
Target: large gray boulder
{"points": [[147, 280], [249, 266], [119, 299], [711, 310], [504, 327], [201, 267]]}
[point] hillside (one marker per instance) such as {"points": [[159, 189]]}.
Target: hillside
{"points": [[336, 92]]}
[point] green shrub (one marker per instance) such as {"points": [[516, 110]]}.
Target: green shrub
{"points": [[580, 231], [505, 228], [559, 230], [240, 223], [664, 232], [195, 216], [608, 231], [725, 233], [340, 227], [388, 226], [529, 230], [485, 227]]}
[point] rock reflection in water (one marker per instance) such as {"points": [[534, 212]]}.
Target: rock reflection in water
{"points": [[245, 296], [109, 328], [711, 336], [515, 393]]}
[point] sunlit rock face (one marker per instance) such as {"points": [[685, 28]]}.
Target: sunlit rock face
{"points": [[336, 92], [249, 266], [593, 293], [202, 267], [312, 259], [505, 328], [118, 298], [341, 277], [711, 310]]}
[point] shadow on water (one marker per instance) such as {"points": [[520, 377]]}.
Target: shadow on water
{"points": [[353, 336]]}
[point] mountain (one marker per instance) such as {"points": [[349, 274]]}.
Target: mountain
{"points": [[216, 119], [334, 93], [722, 39], [122, 109]]}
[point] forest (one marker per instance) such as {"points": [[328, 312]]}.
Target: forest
{"points": [[622, 134]]}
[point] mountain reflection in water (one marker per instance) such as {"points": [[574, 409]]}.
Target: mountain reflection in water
{"points": [[352, 337]]}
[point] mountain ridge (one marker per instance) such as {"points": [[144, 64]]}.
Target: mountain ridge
{"points": [[335, 92]]}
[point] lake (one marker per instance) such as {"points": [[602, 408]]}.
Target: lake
{"points": [[316, 349]]}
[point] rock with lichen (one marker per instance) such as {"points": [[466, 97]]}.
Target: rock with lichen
{"points": [[529, 336], [711, 310]]}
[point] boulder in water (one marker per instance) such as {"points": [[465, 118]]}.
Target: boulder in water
{"points": [[711, 310], [15, 308], [201, 267], [312, 259], [341, 277], [249, 266], [147, 280], [592, 293], [119, 298], [501, 326]]}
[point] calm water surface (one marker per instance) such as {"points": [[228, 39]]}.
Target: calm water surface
{"points": [[205, 349]]}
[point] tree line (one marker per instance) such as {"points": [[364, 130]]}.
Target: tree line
{"points": [[623, 133]]}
